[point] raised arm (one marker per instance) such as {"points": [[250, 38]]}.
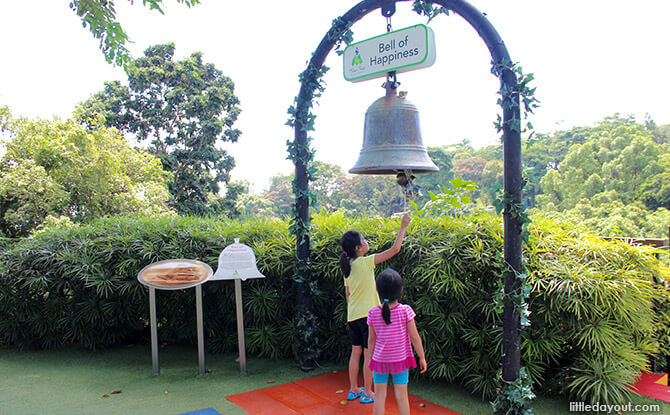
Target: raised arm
{"points": [[389, 253], [418, 345]]}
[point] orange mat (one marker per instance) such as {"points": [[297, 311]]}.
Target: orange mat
{"points": [[653, 385], [318, 396]]}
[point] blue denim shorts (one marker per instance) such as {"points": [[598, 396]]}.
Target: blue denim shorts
{"points": [[401, 378]]}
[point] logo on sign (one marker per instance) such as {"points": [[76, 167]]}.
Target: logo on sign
{"points": [[357, 59]]}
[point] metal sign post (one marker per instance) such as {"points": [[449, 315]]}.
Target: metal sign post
{"points": [[154, 331], [175, 274], [240, 327], [200, 330]]}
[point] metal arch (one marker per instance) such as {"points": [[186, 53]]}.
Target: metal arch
{"points": [[511, 161]]}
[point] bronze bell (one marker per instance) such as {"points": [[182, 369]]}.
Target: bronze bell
{"points": [[392, 138]]}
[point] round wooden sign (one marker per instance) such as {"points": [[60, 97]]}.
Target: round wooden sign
{"points": [[175, 274]]}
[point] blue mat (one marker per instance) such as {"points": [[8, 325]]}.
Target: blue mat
{"points": [[208, 411]]}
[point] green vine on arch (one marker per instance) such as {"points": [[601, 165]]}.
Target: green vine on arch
{"points": [[340, 32], [427, 8], [506, 99], [306, 323], [515, 397]]}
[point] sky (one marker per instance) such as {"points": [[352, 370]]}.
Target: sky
{"points": [[590, 59]]}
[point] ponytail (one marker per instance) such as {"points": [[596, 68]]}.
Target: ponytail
{"points": [[345, 265], [389, 288], [386, 312], [350, 240]]}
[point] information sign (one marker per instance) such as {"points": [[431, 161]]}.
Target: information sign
{"points": [[403, 50]]}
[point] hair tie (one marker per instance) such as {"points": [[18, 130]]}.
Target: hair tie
{"points": [[386, 300]]}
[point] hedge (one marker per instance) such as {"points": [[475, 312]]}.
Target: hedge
{"points": [[598, 310]]}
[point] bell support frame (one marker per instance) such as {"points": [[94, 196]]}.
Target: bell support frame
{"points": [[511, 358]]}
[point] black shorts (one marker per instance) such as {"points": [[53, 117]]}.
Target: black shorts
{"points": [[358, 332]]}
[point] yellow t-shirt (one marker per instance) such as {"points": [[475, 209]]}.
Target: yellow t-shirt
{"points": [[362, 289]]}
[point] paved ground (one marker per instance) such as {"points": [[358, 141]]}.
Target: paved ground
{"points": [[654, 386], [319, 396]]}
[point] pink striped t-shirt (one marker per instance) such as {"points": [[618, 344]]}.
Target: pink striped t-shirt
{"points": [[393, 348]]}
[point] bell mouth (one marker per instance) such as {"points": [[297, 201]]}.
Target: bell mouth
{"points": [[390, 171], [382, 159]]}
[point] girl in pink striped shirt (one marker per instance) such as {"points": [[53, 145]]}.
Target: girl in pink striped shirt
{"points": [[391, 336]]}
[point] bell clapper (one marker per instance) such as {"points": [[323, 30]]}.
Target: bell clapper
{"points": [[405, 180]]}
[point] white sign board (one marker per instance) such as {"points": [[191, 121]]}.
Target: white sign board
{"points": [[237, 261], [400, 51]]}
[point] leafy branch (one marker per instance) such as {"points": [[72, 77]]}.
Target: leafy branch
{"points": [[506, 203], [514, 397], [340, 32], [100, 17], [517, 297], [426, 8], [508, 97], [452, 202]]}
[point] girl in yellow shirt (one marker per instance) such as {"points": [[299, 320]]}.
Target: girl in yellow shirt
{"points": [[361, 294]]}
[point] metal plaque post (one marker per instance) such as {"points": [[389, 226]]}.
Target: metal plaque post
{"points": [[154, 331], [201, 332], [175, 274]]}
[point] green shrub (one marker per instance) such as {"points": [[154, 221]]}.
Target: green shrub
{"points": [[594, 304]]}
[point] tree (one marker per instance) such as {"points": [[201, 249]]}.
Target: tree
{"points": [[470, 168], [461, 150], [434, 182], [254, 205], [491, 181], [27, 196], [545, 153], [618, 158], [615, 182], [370, 195], [662, 134], [336, 191], [186, 108], [655, 192], [100, 17], [61, 169], [227, 205], [614, 218], [328, 185], [280, 194], [552, 186], [5, 118]]}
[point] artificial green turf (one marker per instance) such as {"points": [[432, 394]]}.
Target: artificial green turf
{"points": [[71, 381]]}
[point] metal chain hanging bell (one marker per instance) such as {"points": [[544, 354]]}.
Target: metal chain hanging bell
{"points": [[392, 140]]}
